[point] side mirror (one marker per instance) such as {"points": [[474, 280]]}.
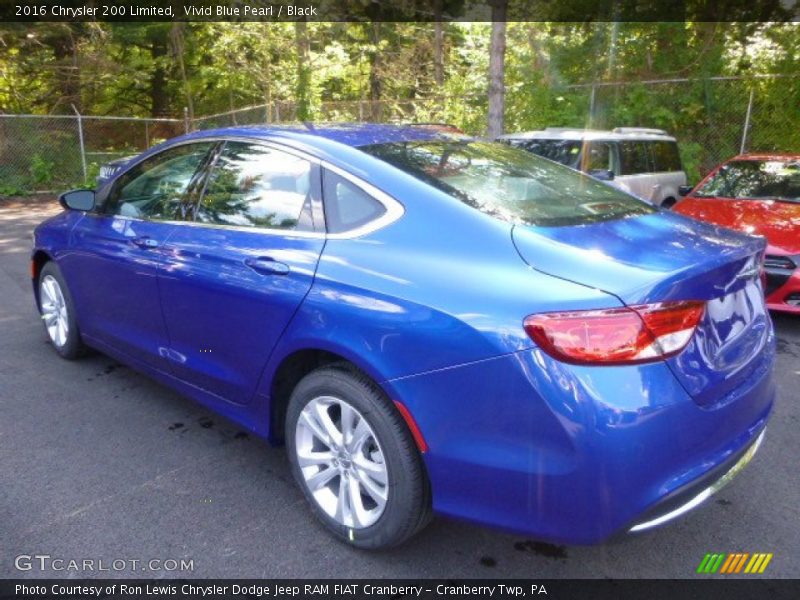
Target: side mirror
{"points": [[683, 190], [77, 200], [602, 174]]}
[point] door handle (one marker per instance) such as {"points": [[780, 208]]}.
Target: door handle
{"points": [[144, 242], [267, 265]]}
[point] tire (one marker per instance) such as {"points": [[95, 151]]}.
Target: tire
{"points": [[58, 313], [668, 203], [336, 390]]}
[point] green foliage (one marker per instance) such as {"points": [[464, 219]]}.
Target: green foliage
{"points": [[41, 170], [385, 71], [10, 189], [92, 171]]}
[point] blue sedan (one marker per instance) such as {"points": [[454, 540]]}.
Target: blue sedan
{"points": [[428, 322]]}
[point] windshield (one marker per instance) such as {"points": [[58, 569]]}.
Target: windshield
{"points": [[755, 179], [566, 152], [508, 183]]}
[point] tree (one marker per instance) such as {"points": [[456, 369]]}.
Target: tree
{"points": [[438, 45], [497, 55], [375, 75], [303, 85]]}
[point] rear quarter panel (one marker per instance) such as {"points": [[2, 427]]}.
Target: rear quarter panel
{"points": [[442, 286]]}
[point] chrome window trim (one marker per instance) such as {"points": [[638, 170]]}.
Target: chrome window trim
{"points": [[394, 209], [262, 230]]}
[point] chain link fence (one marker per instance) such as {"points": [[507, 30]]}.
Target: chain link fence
{"points": [[390, 111], [53, 152], [713, 119]]}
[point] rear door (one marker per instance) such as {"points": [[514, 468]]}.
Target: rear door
{"points": [[635, 170], [238, 273], [118, 251]]}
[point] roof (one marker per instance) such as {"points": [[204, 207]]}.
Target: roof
{"points": [[350, 134], [577, 133]]}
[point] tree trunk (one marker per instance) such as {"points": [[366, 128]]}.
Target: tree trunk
{"points": [[438, 46], [302, 89], [497, 52], [178, 49], [159, 96], [375, 83], [267, 73], [62, 41]]}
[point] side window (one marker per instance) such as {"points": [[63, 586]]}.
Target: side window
{"points": [[158, 188], [252, 185], [633, 158], [347, 206], [597, 155], [666, 156]]}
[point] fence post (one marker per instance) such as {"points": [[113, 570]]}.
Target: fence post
{"points": [[186, 119], [747, 122], [591, 106], [146, 135], [277, 112], [80, 141]]}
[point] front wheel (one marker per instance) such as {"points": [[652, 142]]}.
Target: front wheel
{"points": [[355, 460], [58, 313]]}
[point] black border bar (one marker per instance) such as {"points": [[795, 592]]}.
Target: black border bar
{"points": [[399, 10], [712, 587]]}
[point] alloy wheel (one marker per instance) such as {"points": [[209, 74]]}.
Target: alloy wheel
{"points": [[341, 461], [54, 310]]}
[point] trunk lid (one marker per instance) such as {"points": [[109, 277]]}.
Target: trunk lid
{"points": [[663, 257]]}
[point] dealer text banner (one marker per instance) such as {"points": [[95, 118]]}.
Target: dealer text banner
{"points": [[384, 589]]}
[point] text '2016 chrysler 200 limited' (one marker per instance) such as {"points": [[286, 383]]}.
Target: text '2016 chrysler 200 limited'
{"points": [[429, 322]]}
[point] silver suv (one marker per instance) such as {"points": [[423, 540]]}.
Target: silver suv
{"points": [[642, 162]]}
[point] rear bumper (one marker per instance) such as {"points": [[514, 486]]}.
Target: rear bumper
{"points": [[574, 454], [694, 494]]}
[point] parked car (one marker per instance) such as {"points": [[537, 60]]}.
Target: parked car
{"points": [[428, 321], [758, 194], [642, 162]]}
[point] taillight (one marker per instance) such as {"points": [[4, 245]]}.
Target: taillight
{"points": [[629, 335]]}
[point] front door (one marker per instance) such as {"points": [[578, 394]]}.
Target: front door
{"points": [[117, 252], [236, 276]]}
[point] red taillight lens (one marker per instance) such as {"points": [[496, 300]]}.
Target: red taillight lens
{"points": [[634, 334]]}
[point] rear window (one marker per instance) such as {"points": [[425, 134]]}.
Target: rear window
{"points": [[509, 183]]}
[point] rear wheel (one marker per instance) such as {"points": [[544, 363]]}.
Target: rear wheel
{"points": [[353, 457], [58, 313]]}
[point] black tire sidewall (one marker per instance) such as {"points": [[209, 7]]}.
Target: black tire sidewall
{"points": [[73, 348], [407, 496]]}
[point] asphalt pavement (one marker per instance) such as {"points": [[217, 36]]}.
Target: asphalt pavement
{"points": [[97, 462]]}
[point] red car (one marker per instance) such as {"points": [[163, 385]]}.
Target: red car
{"points": [[758, 194]]}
